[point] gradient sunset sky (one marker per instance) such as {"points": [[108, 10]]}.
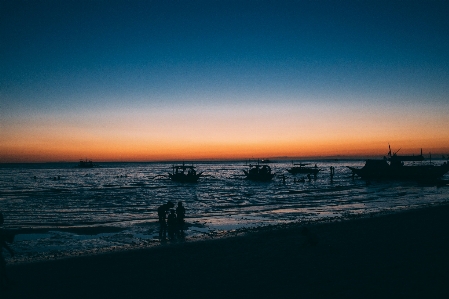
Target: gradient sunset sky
{"points": [[184, 80]]}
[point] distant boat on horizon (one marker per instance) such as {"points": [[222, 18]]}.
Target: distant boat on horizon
{"points": [[87, 164]]}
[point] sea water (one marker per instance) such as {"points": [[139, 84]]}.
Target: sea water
{"points": [[59, 210]]}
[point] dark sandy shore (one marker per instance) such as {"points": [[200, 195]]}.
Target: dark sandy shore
{"points": [[404, 255]]}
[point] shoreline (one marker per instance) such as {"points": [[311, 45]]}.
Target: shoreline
{"points": [[400, 254], [151, 243]]}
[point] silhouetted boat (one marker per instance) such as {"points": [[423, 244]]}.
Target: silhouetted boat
{"points": [[184, 174], [259, 172], [394, 168], [87, 164], [302, 168]]}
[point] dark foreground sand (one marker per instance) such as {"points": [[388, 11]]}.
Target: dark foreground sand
{"points": [[404, 255]]}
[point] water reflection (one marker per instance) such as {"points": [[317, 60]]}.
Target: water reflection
{"points": [[125, 196]]}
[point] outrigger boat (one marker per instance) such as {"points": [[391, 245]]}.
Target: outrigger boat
{"points": [[184, 174], [302, 168], [394, 168], [259, 172]]}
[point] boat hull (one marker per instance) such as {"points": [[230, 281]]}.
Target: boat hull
{"points": [[420, 173], [295, 170], [184, 178], [258, 176]]}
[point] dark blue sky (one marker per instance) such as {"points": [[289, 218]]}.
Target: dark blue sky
{"points": [[60, 56]]}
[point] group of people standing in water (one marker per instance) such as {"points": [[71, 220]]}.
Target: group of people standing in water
{"points": [[171, 221]]}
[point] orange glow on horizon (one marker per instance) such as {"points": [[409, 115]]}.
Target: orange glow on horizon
{"points": [[229, 133], [110, 152]]}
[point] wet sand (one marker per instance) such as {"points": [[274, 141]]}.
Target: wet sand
{"points": [[405, 255]]}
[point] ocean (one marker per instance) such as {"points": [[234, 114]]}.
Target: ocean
{"points": [[59, 210]]}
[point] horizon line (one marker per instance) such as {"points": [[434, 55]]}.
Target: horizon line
{"points": [[274, 159]]}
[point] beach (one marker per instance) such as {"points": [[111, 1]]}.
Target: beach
{"points": [[401, 255]]}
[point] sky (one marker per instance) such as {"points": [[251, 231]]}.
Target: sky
{"points": [[198, 80]]}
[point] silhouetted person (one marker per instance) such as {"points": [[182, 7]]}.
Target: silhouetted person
{"points": [[332, 173], [162, 215], [4, 238], [172, 224], [180, 215]]}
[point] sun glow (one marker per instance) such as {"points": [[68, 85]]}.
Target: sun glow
{"points": [[223, 133], [207, 137]]}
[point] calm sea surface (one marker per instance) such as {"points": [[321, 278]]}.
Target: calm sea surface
{"points": [[58, 209]]}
